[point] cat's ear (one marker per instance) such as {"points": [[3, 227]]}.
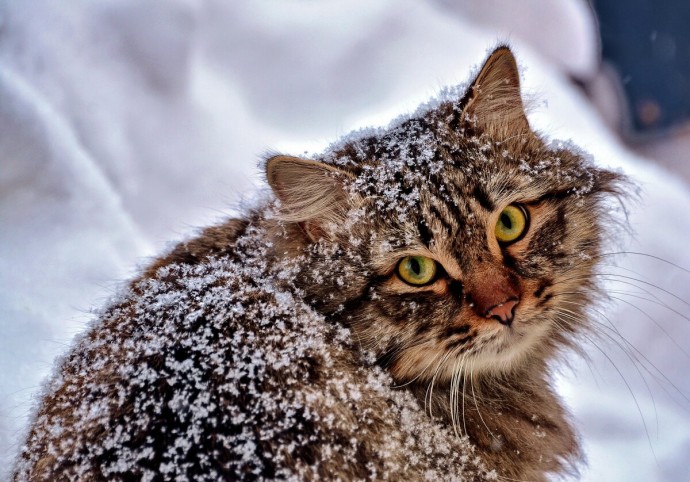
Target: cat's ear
{"points": [[493, 104], [311, 193]]}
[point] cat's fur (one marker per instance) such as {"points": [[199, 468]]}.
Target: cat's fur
{"points": [[283, 345]]}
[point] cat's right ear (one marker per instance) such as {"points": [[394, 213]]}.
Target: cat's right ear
{"points": [[311, 193], [493, 104]]}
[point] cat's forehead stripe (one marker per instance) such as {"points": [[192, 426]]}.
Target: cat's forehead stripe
{"points": [[483, 198], [425, 234], [446, 215]]}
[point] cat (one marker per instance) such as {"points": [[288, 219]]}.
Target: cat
{"points": [[389, 313]]}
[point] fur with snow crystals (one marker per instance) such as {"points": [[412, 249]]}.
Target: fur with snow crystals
{"points": [[282, 346]]}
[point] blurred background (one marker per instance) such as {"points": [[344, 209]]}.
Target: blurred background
{"points": [[126, 124], [642, 87]]}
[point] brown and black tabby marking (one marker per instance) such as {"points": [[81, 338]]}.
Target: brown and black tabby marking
{"points": [[285, 345]]}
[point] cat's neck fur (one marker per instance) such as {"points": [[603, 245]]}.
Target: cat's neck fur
{"points": [[517, 422]]}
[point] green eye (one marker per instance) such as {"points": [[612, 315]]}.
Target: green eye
{"points": [[417, 270], [511, 224]]}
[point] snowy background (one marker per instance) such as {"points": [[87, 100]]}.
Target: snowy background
{"points": [[126, 124]]}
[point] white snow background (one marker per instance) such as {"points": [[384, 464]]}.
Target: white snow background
{"points": [[124, 124]]}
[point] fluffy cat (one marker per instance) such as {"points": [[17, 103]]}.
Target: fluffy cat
{"points": [[390, 315]]}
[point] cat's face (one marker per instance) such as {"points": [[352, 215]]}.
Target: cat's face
{"points": [[456, 241]]}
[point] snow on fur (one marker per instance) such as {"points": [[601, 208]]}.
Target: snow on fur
{"points": [[211, 371]]}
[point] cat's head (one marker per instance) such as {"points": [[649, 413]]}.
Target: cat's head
{"points": [[455, 239]]}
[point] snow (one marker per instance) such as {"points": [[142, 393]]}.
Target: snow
{"points": [[127, 123]]}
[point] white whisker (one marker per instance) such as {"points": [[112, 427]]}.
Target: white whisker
{"points": [[629, 388]]}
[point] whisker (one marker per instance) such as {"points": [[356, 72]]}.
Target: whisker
{"points": [[614, 277], [656, 302], [430, 388], [632, 394], [655, 376], [476, 405], [635, 361], [686, 270], [422, 372], [464, 382], [503, 477], [663, 330], [453, 397], [638, 352]]}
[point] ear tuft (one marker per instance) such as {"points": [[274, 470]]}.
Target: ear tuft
{"points": [[311, 193], [493, 103]]}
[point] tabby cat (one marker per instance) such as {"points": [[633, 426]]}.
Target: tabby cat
{"points": [[390, 314]]}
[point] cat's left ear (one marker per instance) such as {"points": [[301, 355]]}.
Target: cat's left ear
{"points": [[493, 104], [311, 193]]}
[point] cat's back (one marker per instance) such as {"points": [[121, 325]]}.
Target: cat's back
{"points": [[207, 369]]}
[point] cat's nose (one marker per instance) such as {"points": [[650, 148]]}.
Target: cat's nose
{"points": [[503, 312], [493, 293]]}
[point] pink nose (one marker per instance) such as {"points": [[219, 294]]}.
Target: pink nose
{"points": [[503, 312]]}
